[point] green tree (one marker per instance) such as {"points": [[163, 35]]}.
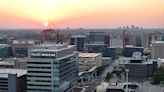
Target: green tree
{"points": [[158, 76]]}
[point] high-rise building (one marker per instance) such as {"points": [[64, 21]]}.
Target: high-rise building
{"points": [[13, 80], [51, 35], [52, 68], [157, 49], [79, 41], [129, 39], [156, 36], [145, 40]]}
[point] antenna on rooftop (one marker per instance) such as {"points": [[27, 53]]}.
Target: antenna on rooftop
{"points": [[55, 29]]}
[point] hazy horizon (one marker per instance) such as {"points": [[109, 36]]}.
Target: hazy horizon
{"points": [[81, 13]]}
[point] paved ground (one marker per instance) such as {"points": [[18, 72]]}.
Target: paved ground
{"points": [[109, 69], [98, 80], [147, 87]]}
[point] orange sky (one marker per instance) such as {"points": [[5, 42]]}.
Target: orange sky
{"points": [[81, 13]]}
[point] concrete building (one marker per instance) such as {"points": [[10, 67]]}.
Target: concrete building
{"points": [[116, 41], [156, 36], [52, 68], [129, 39], [52, 35], [20, 63], [161, 63], [89, 60], [145, 40], [13, 80], [139, 69], [6, 63], [129, 50], [157, 49], [17, 63], [79, 41], [118, 87], [49, 35], [20, 48]]}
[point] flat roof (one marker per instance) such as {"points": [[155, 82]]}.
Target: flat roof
{"points": [[23, 42], [157, 41], [50, 47], [89, 55], [78, 36], [5, 71]]}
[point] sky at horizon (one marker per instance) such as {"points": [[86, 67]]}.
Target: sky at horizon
{"points": [[81, 13]]}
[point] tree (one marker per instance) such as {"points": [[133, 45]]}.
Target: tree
{"points": [[158, 76]]}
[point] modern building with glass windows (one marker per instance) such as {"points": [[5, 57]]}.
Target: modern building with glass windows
{"points": [[52, 68], [79, 41]]}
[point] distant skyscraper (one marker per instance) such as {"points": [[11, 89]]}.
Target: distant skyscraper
{"points": [[79, 41], [98, 37], [129, 39], [52, 68], [132, 40], [116, 41], [51, 35], [157, 49], [145, 40], [156, 36]]}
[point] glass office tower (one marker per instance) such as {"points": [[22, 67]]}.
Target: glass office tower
{"points": [[52, 68]]}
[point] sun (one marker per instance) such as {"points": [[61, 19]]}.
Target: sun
{"points": [[46, 24]]}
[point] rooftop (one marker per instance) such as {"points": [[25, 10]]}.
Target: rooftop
{"points": [[157, 41], [4, 45], [131, 46], [89, 55], [23, 42], [78, 36], [4, 72], [50, 47]]}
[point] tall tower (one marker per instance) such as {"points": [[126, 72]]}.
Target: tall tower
{"points": [[157, 49], [145, 40], [156, 36]]}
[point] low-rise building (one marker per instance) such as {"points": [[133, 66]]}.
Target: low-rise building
{"points": [[139, 69], [89, 60], [18, 63], [118, 87], [20, 47], [129, 50], [13, 80]]}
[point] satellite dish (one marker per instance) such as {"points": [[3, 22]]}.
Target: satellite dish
{"points": [[137, 54]]}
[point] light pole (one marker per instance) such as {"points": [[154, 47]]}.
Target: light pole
{"points": [[126, 70]]}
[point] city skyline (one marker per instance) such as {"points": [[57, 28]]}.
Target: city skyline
{"points": [[81, 13]]}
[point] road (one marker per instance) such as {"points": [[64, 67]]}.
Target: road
{"points": [[91, 87], [109, 68], [147, 87]]}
